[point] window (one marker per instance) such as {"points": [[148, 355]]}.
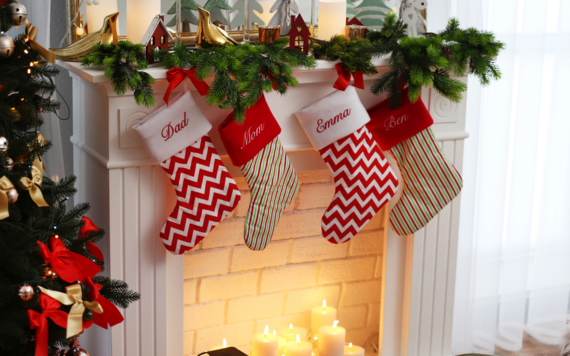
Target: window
{"points": [[152, 43], [299, 41], [162, 39]]}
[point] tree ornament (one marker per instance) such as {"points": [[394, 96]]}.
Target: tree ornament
{"points": [[10, 164], [3, 144], [12, 196], [19, 13], [26, 292], [210, 34], [6, 45], [371, 13]]}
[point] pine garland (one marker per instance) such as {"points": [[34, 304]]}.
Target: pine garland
{"points": [[243, 72]]}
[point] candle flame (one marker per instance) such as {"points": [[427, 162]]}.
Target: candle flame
{"points": [[298, 339], [274, 332], [324, 303], [291, 326], [225, 343], [266, 330], [350, 345], [316, 338], [335, 323]]}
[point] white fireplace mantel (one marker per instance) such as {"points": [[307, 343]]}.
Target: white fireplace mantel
{"points": [[127, 193]]}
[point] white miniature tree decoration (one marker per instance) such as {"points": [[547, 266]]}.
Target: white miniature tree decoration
{"points": [[409, 13], [283, 10]]}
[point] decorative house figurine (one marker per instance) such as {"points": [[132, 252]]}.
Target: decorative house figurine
{"points": [[299, 34], [355, 21], [157, 36]]}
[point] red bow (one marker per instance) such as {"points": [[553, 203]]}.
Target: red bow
{"points": [[176, 75], [39, 321], [70, 266], [88, 228], [344, 78], [111, 315]]}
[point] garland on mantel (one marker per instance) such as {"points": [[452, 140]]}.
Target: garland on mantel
{"points": [[243, 72]]}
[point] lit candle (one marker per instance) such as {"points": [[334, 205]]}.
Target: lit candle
{"points": [[224, 345], [96, 14], [281, 342], [322, 316], [331, 340], [353, 350], [292, 331], [332, 18], [298, 348], [264, 344], [139, 16]]}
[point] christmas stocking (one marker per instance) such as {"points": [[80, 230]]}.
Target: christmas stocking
{"points": [[177, 138], [256, 149], [430, 180], [363, 178]]}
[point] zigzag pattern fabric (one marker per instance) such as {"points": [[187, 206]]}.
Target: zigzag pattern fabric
{"points": [[431, 182], [364, 183], [205, 191], [274, 185]]}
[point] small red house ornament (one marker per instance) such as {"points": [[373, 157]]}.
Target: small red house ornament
{"points": [[156, 36], [299, 34]]}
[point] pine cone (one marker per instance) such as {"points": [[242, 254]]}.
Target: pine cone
{"points": [[448, 52], [442, 72]]}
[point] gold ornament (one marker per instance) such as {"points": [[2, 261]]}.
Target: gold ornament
{"points": [[6, 45], [73, 297], [34, 184], [210, 34], [5, 187], [30, 37], [19, 13], [106, 35], [26, 292]]}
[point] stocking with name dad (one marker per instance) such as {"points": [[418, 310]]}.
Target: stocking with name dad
{"points": [[254, 146]]}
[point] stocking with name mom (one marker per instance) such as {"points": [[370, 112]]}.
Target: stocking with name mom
{"points": [[363, 178], [176, 137], [254, 146]]}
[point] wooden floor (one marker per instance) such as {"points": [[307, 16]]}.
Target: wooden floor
{"points": [[531, 347]]}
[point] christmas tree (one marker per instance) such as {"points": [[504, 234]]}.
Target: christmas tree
{"points": [[371, 13], [216, 14], [48, 252], [222, 4], [239, 18], [350, 5], [186, 7]]}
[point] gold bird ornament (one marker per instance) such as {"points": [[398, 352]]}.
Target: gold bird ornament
{"points": [[106, 35], [210, 34]]}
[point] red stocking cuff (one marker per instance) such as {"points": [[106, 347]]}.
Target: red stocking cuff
{"points": [[392, 126], [243, 142]]}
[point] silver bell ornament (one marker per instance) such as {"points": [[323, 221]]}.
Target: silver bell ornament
{"points": [[12, 196], [19, 13], [6, 45], [26, 292], [10, 164]]}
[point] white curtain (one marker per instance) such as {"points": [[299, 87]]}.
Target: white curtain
{"points": [[39, 16], [514, 251]]}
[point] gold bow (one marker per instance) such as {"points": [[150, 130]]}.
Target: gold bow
{"points": [[30, 36], [5, 186], [74, 298], [34, 185]]}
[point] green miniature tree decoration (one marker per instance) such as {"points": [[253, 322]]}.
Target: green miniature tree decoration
{"points": [[222, 4], [350, 5], [188, 17], [371, 13]]}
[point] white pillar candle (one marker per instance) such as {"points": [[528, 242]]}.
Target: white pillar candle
{"points": [[331, 340], [298, 348], [291, 332], [264, 344], [351, 350], [281, 342], [223, 346], [322, 316], [96, 14], [139, 15], [332, 18]]}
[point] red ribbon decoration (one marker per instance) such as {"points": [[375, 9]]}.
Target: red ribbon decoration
{"points": [[111, 315], [39, 321], [344, 78], [88, 228], [176, 75], [70, 266]]}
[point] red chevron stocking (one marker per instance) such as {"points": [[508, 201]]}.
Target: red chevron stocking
{"points": [[206, 193], [363, 178]]}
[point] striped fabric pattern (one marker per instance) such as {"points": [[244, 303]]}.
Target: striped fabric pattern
{"points": [[431, 182], [206, 194], [364, 183], [274, 185]]}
